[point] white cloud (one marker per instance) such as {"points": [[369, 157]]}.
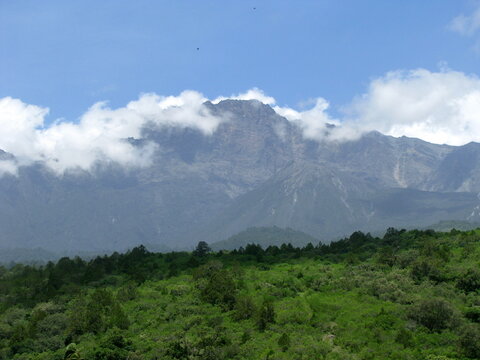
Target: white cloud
{"points": [[314, 121], [252, 94], [100, 135], [466, 25], [439, 107]]}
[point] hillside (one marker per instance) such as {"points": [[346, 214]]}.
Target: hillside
{"points": [[408, 295]]}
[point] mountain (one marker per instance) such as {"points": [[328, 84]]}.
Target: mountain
{"points": [[255, 170], [332, 204]]}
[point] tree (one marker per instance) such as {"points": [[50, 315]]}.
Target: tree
{"points": [[404, 337], [392, 236], [71, 353], [244, 307], [284, 342], [202, 249], [293, 310], [309, 247], [266, 315], [253, 249], [470, 280], [426, 268], [470, 341], [435, 314], [96, 313], [220, 289], [118, 317], [114, 346], [386, 256]]}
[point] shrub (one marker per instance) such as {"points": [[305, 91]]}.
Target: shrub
{"points": [[266, 315], [294, 310], [469, 281], [284, 342], [127, 292], [219, 289], [473, 314], [244, 307], [71, 352], [435, 314], [50, 332], [426, 269], [470, 341], [404, 337], [114, 346]]}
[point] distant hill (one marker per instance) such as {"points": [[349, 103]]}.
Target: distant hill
{"points": [[26, 256], [39, 256], [458, 225], [265, 236]]}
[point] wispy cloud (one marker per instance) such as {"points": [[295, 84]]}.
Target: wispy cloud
{"points": [[315, 122], [466, 25]]}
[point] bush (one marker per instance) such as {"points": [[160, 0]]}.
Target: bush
{"points": [[219, 289], [96, 313], [435, 314], [244, 307], [50, 331], [470, 341], [114, 346], [284, 342], [127, 292], [426, 269], [469, 281], [266, 315], [294, 310], [473, 314]]}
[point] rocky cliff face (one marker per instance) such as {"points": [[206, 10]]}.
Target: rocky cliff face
{"points": [[256, 169]]}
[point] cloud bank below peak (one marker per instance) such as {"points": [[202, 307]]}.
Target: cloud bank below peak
{"points": [[439, 107]]}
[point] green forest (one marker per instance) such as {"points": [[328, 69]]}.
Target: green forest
{"points": [[408, 295]]}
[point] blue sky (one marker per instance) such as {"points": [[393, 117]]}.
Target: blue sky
{"points": [[67, 55]]}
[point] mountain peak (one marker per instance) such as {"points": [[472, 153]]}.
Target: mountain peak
{"points": [[245, 107]]}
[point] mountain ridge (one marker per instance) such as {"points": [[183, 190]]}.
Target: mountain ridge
{"points": [[256, 169]]}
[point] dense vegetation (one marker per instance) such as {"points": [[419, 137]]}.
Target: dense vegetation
{"points": [[408, 295]]}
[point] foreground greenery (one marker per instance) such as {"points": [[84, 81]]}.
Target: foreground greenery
{"points": [[410, 295]]}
